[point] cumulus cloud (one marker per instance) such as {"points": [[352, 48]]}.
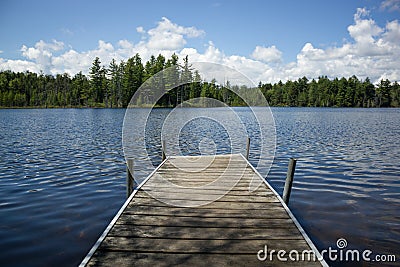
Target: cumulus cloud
{"points": [[366, 34], [364, 30], [52, 57], [267, 54], [373, 51], [19, 65], [392, 34], [255, 70], [371, 54], [42, 53], [170, 36]]}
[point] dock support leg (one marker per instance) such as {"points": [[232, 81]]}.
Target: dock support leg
{"points": [[289, 180], [163, 148], [129, 177], [248, 148]]}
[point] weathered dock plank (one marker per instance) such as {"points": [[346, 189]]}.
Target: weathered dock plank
{"points": [[227, 222], [124, 258]]}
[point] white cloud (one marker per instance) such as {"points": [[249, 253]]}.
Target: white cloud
{"points": [[267, 54], [364, 30], [392, 34], [19, 65], [392, 5], [140, 29], [70, 62], [373, 51], [255, 70], [42, 53], [54, 45], [170, 36]]}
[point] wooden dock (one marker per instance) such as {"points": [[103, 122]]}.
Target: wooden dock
{"points": [[198, 211]]}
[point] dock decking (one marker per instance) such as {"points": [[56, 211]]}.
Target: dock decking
{"points": [[198, 211]]}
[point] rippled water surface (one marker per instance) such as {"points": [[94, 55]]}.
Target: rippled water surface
{"points": [[61, 181], [62, 177], [347, 181]]}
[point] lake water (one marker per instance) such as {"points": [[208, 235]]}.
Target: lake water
{"points": [[62, 177]]}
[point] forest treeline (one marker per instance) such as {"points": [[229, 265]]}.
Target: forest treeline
{"points": [[114, 85]]}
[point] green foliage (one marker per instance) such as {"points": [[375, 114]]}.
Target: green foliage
{"points": [[324, 92], [115, 85], [133, 77]]}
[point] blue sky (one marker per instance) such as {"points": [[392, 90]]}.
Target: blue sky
{"points": [[267, 40]]}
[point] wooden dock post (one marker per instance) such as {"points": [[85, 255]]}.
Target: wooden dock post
{"points": [[129, 177], [289, 180], [248, 148], [163, 148]]}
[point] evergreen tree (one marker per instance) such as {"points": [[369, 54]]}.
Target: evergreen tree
{"points": [[383, 94], [96, 83], [133, 77]]}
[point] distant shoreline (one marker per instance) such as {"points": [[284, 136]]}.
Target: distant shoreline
{"points": [[34, 107]]}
